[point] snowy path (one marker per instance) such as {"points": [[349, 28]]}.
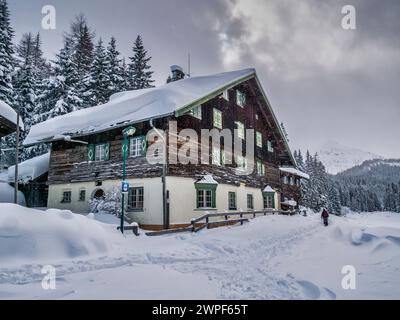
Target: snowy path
{"points": [[272, 257]]}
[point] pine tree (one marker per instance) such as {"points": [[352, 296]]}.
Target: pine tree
{"points": [[99, 81], [6, 55], [139, 68], [115, 71]]}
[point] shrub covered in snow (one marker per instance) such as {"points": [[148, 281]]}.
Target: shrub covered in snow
{"points": [[110, 203]]}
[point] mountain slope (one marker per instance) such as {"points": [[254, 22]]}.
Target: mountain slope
{"points": [[337, 157]]}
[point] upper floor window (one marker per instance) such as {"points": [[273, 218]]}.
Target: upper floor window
{"points": [[217, 118], [82, 195], [136, 198], [240, 128], [137, 146], [240, 98], [216, 156], [291, 180], [196, 112], [285, 179], [260, 168], [98, 152], [259, 139], [241, 163], [225, 95], [269, 146]]}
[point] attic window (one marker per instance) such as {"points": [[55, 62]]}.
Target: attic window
{"points": [[225, 95], [217, 118], [240, 98], [269, 146], [196, 112], [240, 128]]}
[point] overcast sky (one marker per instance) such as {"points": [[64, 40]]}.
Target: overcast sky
{"points": [[324, 82]]}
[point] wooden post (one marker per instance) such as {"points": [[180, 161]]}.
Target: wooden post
{"points": [[16, 160], [207, 222]]}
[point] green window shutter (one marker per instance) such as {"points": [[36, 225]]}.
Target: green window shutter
{"points": [[91, 152], [106, 151], [144, 145], [214, 198]]}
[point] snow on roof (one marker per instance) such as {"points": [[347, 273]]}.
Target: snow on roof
{"points": [[9, 114], [30, 169], [207, 179], [268, 189], [295, 172], [134, 106]]}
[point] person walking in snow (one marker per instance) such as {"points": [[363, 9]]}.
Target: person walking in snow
{"points": [[325, 216]]}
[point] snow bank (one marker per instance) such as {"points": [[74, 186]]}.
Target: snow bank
{"points": [[9, 113], [28, 234], [134, 106], [30, 169], [7, 194]]}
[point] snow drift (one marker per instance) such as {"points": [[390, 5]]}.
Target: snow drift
{"points": [[27, 234]]}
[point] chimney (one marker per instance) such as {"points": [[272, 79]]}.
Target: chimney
{"points": [[177, 74]]}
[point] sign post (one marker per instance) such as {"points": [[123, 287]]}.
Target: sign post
{"points": [[128, 132]]}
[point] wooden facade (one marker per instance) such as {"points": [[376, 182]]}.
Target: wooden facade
{"points": [[69, 161]]}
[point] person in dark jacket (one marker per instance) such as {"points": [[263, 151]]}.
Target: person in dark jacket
{"points": [[325, 216]]}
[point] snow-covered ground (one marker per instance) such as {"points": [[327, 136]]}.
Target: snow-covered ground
{"points": [[272, 257]]}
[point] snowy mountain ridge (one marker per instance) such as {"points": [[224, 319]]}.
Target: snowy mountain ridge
{"points": [[338, 158]]}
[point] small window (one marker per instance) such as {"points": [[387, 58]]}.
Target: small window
{"points": [[66, 197], [232, 201], [291, 179], [259, 139], [250, 202], [137, 146], [240, 98], [285, 179], [260, 168], [269, 146], [241, 163], [217, 118], [240, 129], [298, 182], [100, 152], [225, 95], [205, 198], [136, 199], [82, 195], [196, 112], [256, 116], [269, 201], [216, 156]]}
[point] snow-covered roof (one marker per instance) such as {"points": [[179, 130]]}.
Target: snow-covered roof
{"points": [[134, 106], [268, 189], [207, 179], [9, 114], [30, 169], [295, 172]]}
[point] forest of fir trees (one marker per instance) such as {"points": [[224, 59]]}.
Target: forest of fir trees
{"points": [[84, 73]]}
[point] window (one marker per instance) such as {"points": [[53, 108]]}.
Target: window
{"points": [[269, 146], [241, 163], [240, 98], [216, 156], [225, 95], [196, 112], [217, 118], [232, 201], [66, 197], [250, 202], [135, 199], [256, 116], [98, 152], [137, 146], [259, 139], [205, 198], [286, 180], [240, 129], [298, 182], [269, 201], [291, 179], [82, 195], [260, 168]]}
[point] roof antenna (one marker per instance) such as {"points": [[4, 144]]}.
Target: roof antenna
{"points": [[188, 65]]}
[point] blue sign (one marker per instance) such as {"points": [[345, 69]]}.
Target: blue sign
{"points": [[125, 187]]}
